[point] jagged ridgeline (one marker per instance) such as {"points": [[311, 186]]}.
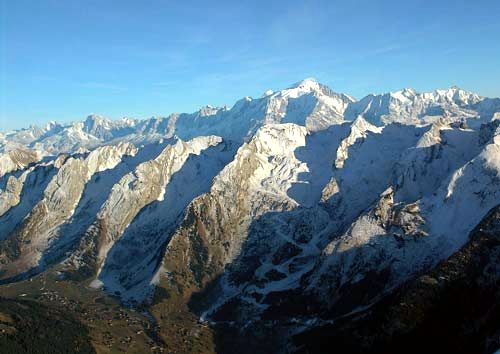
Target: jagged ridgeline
{"points": [[287, 211]]}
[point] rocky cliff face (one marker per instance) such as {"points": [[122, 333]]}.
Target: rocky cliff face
{"points": [[290, 210], [38, 229], [17, 159]]}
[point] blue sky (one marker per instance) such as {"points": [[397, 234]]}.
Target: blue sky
{"points": [[64, 59]]}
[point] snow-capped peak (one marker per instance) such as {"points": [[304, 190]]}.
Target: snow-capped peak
{"points": [[406, 95], [268, 93], [208, 110], [453, 94], [307, 82], [94, 121], [51, 125], [128, 121], [95, 118], [302, 87]]}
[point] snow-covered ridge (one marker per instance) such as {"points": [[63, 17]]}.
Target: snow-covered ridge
{"points": [[410, 107], [359, 129], [308, 103]]}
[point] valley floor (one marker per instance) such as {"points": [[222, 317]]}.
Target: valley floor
{"points": [[47, 315]]}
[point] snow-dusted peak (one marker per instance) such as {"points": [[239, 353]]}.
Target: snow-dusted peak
{"points": [[266, 167], [452, 95], [196, 145], [301, 88], [406, 95], [95, 120], [360, 128], [410, 107], [17, 159], [307, 103], [107, 157], [268, 93], [51, 125], [362, 125], [241, 103], [307, 82], [208, 110], [128, 121], [274, 139], [433, 135]]}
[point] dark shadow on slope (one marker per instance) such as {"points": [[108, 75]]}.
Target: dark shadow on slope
{"points": [[454, 308], [139, 251], [368, 170], [487, 108], [19, 172], [300, 108], [458, 309], [366, 173], [373, 155], [371, 107], [284, 258], [435, 164], [319, 154]]}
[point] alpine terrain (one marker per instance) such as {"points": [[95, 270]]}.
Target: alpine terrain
{"points": [[302, 221]]}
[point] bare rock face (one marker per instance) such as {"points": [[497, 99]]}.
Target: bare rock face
{"points": [[39, 228], [14, 160], [330, 190], [11, 195]]}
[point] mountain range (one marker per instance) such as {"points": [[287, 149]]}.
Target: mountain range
{"points": [[276, 218]]}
